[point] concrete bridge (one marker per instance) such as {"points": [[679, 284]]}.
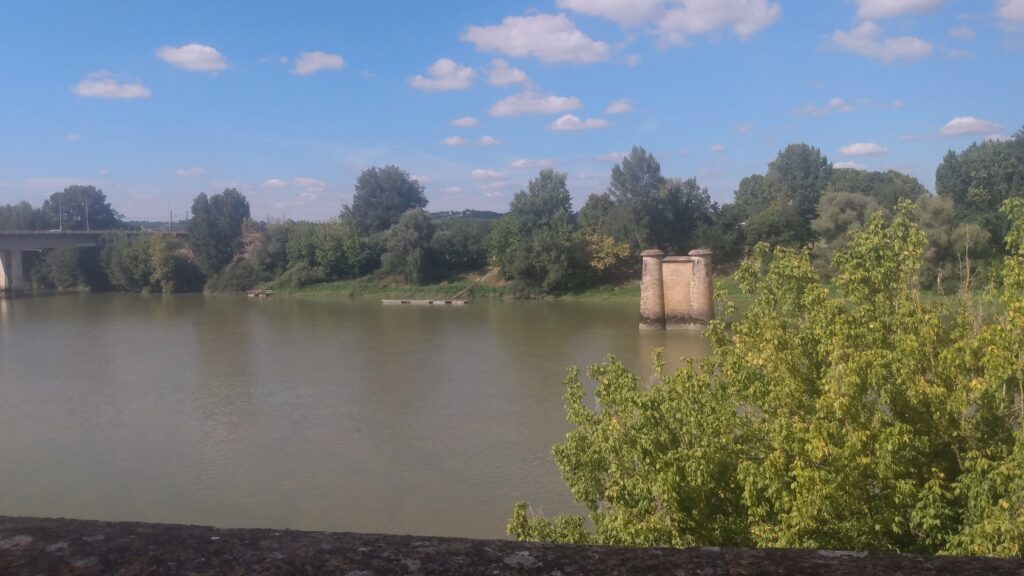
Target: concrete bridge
{"points": [[14, 244]]}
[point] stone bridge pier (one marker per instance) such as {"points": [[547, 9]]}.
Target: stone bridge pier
{"points": [[676, 291], [12, 275]]}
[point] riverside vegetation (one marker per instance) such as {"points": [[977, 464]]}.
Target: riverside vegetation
{"points": [[858, 417], [386, 241]]}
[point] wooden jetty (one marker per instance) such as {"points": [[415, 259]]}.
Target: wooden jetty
{"points": [[261, 293], [428, 302], [453, 301]]}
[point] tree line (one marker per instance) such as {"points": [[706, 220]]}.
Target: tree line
{"points": [[541, 245]]}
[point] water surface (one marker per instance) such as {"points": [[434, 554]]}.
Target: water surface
{"points": [[304, 413]]}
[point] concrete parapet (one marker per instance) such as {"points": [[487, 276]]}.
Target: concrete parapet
{"points": [[652, 296], [676, 291], [79, 547]]}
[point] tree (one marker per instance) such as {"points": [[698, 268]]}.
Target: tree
{"points": [[981, 178], [536, 244], [635, 184], [779, 206], [885, 188], [215, 229], [840, 215], [127, 261], [381, 196], [20, 216], [408, 251], [80, 208], [854, 417]]}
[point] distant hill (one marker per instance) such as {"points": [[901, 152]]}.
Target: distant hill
{"points": [[466, 214]]}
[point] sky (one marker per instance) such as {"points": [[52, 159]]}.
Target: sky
{"points": [[155, 102]]}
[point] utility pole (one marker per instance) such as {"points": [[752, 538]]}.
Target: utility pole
{"points": [[85, 201], [60, 213]]}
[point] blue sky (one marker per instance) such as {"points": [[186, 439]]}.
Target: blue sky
{"points": [[289, 101]]}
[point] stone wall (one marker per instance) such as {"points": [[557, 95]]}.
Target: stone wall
{"points": [[676, 292], [33, 546]]}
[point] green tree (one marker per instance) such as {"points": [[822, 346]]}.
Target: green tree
{"points": [[780, 206], [885, 188], [381, 196], [127, 261], [408, 251], [840, 215], [21, 216], [635, 185], [851, 417], [536, 244], [981, 178], [80, 208], [215, 229]]}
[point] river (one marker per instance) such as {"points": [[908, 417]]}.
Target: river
{"points": [[303, 413]]}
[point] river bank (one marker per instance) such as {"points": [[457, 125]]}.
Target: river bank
{"points": [[471, 286]]}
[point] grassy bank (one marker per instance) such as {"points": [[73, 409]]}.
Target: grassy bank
{"points": [[478, 288]]}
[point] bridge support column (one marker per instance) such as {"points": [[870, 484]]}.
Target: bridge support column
{"points": [[12, 277]]}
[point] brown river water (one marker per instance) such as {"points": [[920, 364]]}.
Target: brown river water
{"points": [[291, 412]]}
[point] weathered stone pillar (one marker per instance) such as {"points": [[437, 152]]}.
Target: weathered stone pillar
{"points": [[677, 275], [652, 294], [5, 264], [702, 301], [11, 272]]}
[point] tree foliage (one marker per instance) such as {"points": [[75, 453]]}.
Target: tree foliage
{"points": [[215, 229], [408, 250], [855, 417], [537, 244], [381, 196], [78, 208], [981, 178]]}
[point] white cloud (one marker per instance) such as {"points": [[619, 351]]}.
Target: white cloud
{"points": [[881, 9], [191, 171], [963, 33], [104, 85], [864, 41], [530, 102], [73, 137], [309, 183], [613, 156], [570, 123], [632, 60], [486, 174], [275, 183], [624, 12], [526, 164], [548, 37], [466, 122], [743, 127], [421, 179], [502, 73], [312, 62], [488, 141], [850, 165], [619, 107], [1010, 11], [454, 141], [193, 57], [445, 74], [834, 104], [716, 148], [969, 125], [104, 171], [863, 149], [692, 17]]}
